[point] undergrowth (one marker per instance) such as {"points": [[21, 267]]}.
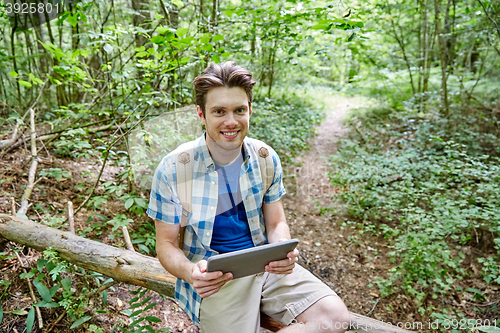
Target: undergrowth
{"points": [[286, 124], [430, 186], [118, 201]]}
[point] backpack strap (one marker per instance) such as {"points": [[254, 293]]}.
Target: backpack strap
{"points": [[266, 164], [184, 169]]}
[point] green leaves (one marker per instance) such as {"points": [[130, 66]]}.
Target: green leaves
{"points": [[13, 74], [80, 321], [158, 39], [27, 275], [215, 58], [208, 47], [139, 315], [182, 32], [25, 83], [134, 204], [120, 220], [153, 319], [161, 30], [66, 284], [218, 38], [321, 26], [488, 329], [108, 48], [45, 292], [30, 320], [56, 173]]}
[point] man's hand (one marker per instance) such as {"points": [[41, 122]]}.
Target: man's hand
{"points": [[208, 283], [284, 266]]}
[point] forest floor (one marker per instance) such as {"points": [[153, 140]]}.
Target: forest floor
{"points": [[343, 259]]}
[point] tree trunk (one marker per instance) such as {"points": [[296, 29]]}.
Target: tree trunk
{"points": [[443, 56], [400, 40], [215, 9], [139, 19], [119, 264], [423, 69]]}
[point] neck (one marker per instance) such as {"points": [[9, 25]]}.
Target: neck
{"points": [[220, 155]]}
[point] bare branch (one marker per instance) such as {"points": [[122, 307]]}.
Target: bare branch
{"points": [[492, 20], [106, 154], [126, 236], [32, 172], [70, 218]]}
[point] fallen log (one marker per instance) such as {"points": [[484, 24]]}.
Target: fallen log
{"points": [[119, 264], [129, 267]]}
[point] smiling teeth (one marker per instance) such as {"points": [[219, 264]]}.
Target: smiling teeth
{"points": [[230, 133]]}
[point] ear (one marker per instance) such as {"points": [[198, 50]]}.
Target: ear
{"points": [[250, 109], [200, 115]]}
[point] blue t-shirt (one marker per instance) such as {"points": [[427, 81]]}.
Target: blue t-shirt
{"points": [[231, 231]]}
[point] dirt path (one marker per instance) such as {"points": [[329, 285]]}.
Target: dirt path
{"points": [[310, 181], [333, 252]]}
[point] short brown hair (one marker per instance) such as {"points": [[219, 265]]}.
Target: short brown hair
{"points": [[226, 74]]}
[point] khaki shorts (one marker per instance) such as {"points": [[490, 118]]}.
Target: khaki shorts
{"points": [[236, 307]]}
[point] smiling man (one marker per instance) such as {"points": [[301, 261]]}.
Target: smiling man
{"points": [[231, 209]]}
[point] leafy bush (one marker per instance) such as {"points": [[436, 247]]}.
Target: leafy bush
{"points": [[286, 124], [137, 312], [428, 194]]}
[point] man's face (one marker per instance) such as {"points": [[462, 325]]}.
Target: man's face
{"points": [[227, 117]]}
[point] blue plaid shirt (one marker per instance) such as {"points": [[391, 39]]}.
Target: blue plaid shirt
{"points": [[164, 205]]}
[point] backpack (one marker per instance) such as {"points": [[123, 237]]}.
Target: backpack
{"points": [[184, 167]]}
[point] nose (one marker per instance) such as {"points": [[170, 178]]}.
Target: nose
{"points": [[230, 121]]}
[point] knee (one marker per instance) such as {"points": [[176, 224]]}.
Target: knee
{"points": [[335, 313]]}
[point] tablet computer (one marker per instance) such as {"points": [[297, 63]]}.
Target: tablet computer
{"points": [[250, 261]]}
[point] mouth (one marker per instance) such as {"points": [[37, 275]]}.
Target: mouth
{"points": [[229, 134]]}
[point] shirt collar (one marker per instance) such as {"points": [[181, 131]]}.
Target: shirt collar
{"points": [[205, 153], [207, 158]]}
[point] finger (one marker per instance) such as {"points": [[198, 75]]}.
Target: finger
{"points": [[285, 266], [202, 264], [283, 263], [206, 280], [198, 274], [281, 270], [294, 254], [210, 289], [207, 293], [282, 266], [212, 276]]}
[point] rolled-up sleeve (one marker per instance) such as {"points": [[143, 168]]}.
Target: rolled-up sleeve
{"points": [[276, 190], [164, 204]]}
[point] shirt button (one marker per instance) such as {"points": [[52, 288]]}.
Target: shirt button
{"points": [[213, 183], [212, 208], [208, 233]]}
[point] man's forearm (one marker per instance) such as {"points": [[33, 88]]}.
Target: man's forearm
{"points": [[277, 232], [175, 262]]}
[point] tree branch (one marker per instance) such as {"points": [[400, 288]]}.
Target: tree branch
{"points": [[492, 21]]}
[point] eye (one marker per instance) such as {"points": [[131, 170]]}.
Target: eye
{"points": [[219, 111], [241, 110]]}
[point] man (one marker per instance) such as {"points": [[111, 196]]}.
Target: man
{"points": [[230, 211]]}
